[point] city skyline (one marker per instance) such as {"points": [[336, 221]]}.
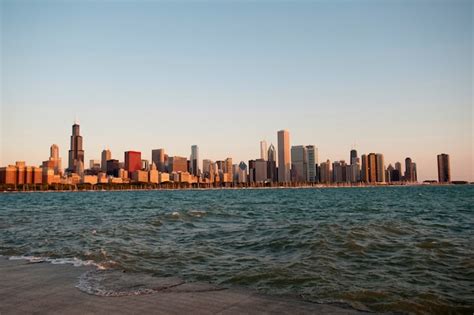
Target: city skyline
{"points": [[297, 164], [226, 76]]}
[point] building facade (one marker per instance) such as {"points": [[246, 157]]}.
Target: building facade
{"points": [[133, 161], [444, 169], [76, 152], [284, 162], [299, 163], [105, 156]]}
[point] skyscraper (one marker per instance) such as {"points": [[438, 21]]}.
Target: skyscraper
{"points": [[106, 155], [271, 164], [410, 170], [364, 173], [299, 163], [158, 157], [353, 158], [398, 167], [263, 150], [284, 162], [76, 153], [55, 159], [195, 160], [354, 169], [380, 168], [325, 172], [242, 172], [312, 160], [260, 170], [228, 167], [444, 169], [133, 161], [372, 168]]}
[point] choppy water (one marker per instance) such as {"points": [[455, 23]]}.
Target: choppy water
{"points": [[407, 249]]}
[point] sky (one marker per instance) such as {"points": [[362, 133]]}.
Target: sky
{"points": [[391, 77]]}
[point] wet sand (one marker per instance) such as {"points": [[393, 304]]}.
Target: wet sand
{"points": [[44, 288]]}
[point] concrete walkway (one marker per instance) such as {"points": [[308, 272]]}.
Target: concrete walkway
{"points": [[44, 288]]}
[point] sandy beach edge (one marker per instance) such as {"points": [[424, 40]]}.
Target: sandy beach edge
{"points": [[45, 288]]}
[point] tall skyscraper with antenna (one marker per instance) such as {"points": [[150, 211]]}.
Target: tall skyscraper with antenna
{"points": [[76, 153]]}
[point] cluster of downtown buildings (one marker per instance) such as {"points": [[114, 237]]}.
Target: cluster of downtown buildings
{"points": [[287, 165]]}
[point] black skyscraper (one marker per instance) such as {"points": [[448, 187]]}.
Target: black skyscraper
{"points": [[76, 153]]}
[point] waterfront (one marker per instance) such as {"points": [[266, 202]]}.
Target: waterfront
{"points": [[403, 249]]}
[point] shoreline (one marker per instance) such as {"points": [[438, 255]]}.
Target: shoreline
{"points": [[112, 188], [43, 287]]}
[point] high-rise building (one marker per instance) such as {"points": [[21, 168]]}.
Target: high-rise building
{"points": [[260, 170], [194, 160], [372, 168], [263, 150], [55, 159], [242, 172], [353, 158], [251, 176], [339, 170], [106, 155], [133, 161], [444, 169], [158, 157], [271, 166], [388, 173], [299, 163], [380, 168], [398, 167], [395, 174], [410, 170], [353, 173], [228, 167], [177, 164], [364, 172], [312, 159], [284, 163], [76, 153], [325, 172]]}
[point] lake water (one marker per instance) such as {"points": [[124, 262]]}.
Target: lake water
{"points": [[408, 249]]}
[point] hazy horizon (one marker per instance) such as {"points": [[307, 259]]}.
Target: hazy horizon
{"points": [[390, 77]]}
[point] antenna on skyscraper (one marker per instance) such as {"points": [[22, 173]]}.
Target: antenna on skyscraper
{"points": [[76, 121]]}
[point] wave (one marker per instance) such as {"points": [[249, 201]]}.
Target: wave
{"points": [[114, 283], [197, 213], [76, 262]]}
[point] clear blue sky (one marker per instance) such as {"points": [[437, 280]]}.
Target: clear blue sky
{"points": [[390, 76]]}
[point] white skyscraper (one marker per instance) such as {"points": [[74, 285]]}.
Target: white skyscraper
{"points": [[263, 150]]}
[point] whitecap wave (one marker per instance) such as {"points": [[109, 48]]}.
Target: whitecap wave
{"points": [[197, 213], [76, 262]]}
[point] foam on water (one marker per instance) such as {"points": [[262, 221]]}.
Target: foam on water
{"points": [[76, 262], [114, 283], [197, 213]]}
